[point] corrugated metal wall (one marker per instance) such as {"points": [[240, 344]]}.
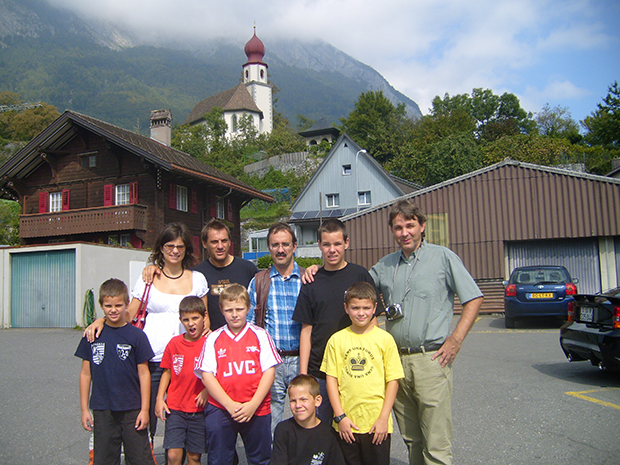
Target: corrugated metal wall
{"points": [[507, 202], [579, 256], [43, 289]]}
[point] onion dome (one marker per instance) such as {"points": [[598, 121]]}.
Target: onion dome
{"points": [[255, 50]]}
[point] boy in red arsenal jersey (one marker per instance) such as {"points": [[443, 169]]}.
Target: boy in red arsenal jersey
{"points": [[237, 366], [186, 396]]}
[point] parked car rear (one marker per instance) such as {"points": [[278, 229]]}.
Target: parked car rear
{"points": [[593, 330], [538, 291]]}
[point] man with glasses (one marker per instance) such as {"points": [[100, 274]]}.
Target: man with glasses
{"points": [[273, 295], [418, 284]]}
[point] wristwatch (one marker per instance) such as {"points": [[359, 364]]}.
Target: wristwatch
{"points": [[339, 418]]}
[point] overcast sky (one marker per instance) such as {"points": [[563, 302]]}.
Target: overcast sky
{"points": [[561, 52]]}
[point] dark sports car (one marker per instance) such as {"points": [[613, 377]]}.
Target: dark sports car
{"points": [[593, 330]]}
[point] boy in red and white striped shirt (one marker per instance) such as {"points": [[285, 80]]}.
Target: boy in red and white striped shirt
{"points": [[237, 366]]}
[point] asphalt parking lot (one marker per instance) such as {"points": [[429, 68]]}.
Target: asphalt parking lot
{"points": [[517, 400]]}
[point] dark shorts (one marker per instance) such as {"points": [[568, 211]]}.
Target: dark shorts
{"points": [[113, 428], [364, 452], [186, 431]]}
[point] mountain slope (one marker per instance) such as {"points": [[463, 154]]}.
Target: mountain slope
{"points": [[52, 55]]}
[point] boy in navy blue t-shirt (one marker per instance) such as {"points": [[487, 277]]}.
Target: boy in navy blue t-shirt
{"points": [[117, 365]]}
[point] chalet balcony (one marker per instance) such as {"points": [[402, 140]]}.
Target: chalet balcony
{"points": [[83, 221]]}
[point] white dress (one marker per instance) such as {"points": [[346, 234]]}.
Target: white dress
{"points": [[162, 322]]}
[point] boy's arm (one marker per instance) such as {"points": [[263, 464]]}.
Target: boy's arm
{"points": [[345, 425], [145, 395], [85, 378], [380, 427], [161, 408], [215, 390], [305, 342], [245, 413]]}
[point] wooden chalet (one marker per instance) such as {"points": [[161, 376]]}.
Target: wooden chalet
{"points": [[82, 179]]}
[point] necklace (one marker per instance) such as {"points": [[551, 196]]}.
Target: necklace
{"points": [[170, 277]]}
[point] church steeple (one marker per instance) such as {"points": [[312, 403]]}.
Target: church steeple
{"points": [[256, 81], [255, 68]]}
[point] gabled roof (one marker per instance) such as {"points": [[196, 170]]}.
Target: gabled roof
{"points": [[237, 98], [473, 174], [344, 138], [64, 128]]}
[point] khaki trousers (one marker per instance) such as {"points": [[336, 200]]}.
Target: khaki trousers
{"points": [[423, 409]]}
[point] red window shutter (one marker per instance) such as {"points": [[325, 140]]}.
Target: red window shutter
{"points": [[193, 205], [42, 202], [108, 195], [135, 241], [133, 192], [65, 200], [229, 209], [212, 205], [172, 196]]}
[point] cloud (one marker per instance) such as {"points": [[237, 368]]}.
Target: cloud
{"points": [[424, 48]]}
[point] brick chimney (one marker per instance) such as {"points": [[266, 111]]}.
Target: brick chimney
{"points": [[161, 126]]}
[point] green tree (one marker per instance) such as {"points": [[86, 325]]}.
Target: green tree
{"points": [[603, 125], [377, 125], [451, 156], [557, 122], [541, 150], [9, 222], [495, 116], [29, 123]]}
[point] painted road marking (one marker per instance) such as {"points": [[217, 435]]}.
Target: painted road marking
{"points": [[580, 395]]}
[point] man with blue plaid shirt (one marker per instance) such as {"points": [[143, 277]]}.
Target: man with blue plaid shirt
{"points": [[285, 283]]}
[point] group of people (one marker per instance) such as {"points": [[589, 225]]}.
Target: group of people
{"points": [[225, 344]]}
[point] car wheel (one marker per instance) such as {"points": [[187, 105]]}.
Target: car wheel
{"points": [[510, 322]]}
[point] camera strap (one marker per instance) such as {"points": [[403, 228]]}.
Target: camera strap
{"points": [[407, 287]]}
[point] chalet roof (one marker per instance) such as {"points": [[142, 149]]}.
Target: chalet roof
{"points": [[237, 98], [63, 129], [473, 174]]}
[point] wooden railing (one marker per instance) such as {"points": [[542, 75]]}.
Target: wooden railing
{"points": [[85, 220]]}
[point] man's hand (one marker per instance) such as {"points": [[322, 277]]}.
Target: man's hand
{"points": [[308, 276], [447, 352]]}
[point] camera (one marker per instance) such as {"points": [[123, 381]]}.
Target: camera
{"points": [[394, 312]]}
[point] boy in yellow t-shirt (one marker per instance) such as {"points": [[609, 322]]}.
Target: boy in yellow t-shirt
{"points": [[363, 368]]}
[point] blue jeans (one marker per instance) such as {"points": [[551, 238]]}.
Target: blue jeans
{"points": [[285, 372]]}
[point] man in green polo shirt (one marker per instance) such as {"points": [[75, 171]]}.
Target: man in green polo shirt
{"points": [[418, 284]]}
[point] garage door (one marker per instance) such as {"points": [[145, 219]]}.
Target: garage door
{"points": [[578, 256], [43, 289]]}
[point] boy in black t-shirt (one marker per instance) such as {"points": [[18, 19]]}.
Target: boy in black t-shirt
{"points": [[117, 365], [304, 439], [320, 307]]}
